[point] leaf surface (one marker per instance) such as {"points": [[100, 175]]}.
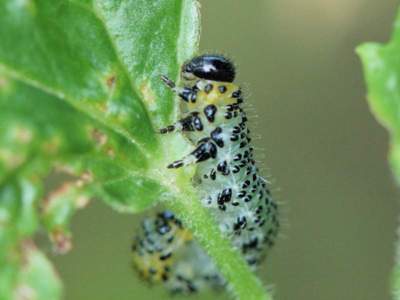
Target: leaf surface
{"points": [[80, 94], [381, 64]]}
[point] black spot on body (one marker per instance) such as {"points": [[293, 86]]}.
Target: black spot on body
{"points": [[237, 157], [234, 137], [246, 184], [228, 115], [193, 97], [213, 174], [243, 163], [216, 137], [236, 130], [205, 150], [247, 198], [222, 89], [241, 194], [152, 271], [187, 123], [225, 196], [248, 170], [164, 277], [252, 244], [210, 111], [188, 94], [237, 93], [223, 168], [208, 88], [163, 229], [165, 256], [241, 223], [235, 169], [198, 125], [191, 287]]}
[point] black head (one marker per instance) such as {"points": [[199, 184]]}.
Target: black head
{"points": [[210, 67]]}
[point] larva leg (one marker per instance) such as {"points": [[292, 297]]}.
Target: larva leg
{"points": [[185, 93], [205, 150], [190, 123]]}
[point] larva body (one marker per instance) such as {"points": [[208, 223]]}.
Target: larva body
{"points": [[227, 181]]}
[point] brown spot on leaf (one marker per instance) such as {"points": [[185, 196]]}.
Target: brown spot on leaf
{"points": [[61, 240], [85, 178], [99, 137], [62, 189], [65, 187], [24, 292], [23, 135], [81, 201], [148, 94], [110, 81], [3, 82], [27, 245], [52, 145], [111, 152], [11, 159]]}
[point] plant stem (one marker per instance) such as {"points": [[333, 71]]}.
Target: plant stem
{"points": [[243, 283]]}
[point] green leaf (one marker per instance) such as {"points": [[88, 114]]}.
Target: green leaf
{"points": [[382, 71], [80, 94], [18, 221], [381, 64], [31, 286]]}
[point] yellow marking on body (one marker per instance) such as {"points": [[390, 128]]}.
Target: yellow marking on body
{"points": [[151, 261], [214, 97], [185, 235]]}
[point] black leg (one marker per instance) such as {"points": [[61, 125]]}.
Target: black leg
{"points": [[190, 123], [186, 93], [205, 150]]}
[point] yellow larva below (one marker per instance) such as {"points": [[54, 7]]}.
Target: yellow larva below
{"points": [[226, 179]]}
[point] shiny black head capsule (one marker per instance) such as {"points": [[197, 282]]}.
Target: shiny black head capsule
{"points": [[209, 67]]}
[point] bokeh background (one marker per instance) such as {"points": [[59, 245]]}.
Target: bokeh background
{"points": [[325, 153]]}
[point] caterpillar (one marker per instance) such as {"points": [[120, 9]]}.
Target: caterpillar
{"points": [[226, 179]]}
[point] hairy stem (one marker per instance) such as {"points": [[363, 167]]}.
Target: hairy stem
{"points": [[243, 283]]}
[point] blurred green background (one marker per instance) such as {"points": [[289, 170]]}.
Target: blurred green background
{"points": [[325, 153]]}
